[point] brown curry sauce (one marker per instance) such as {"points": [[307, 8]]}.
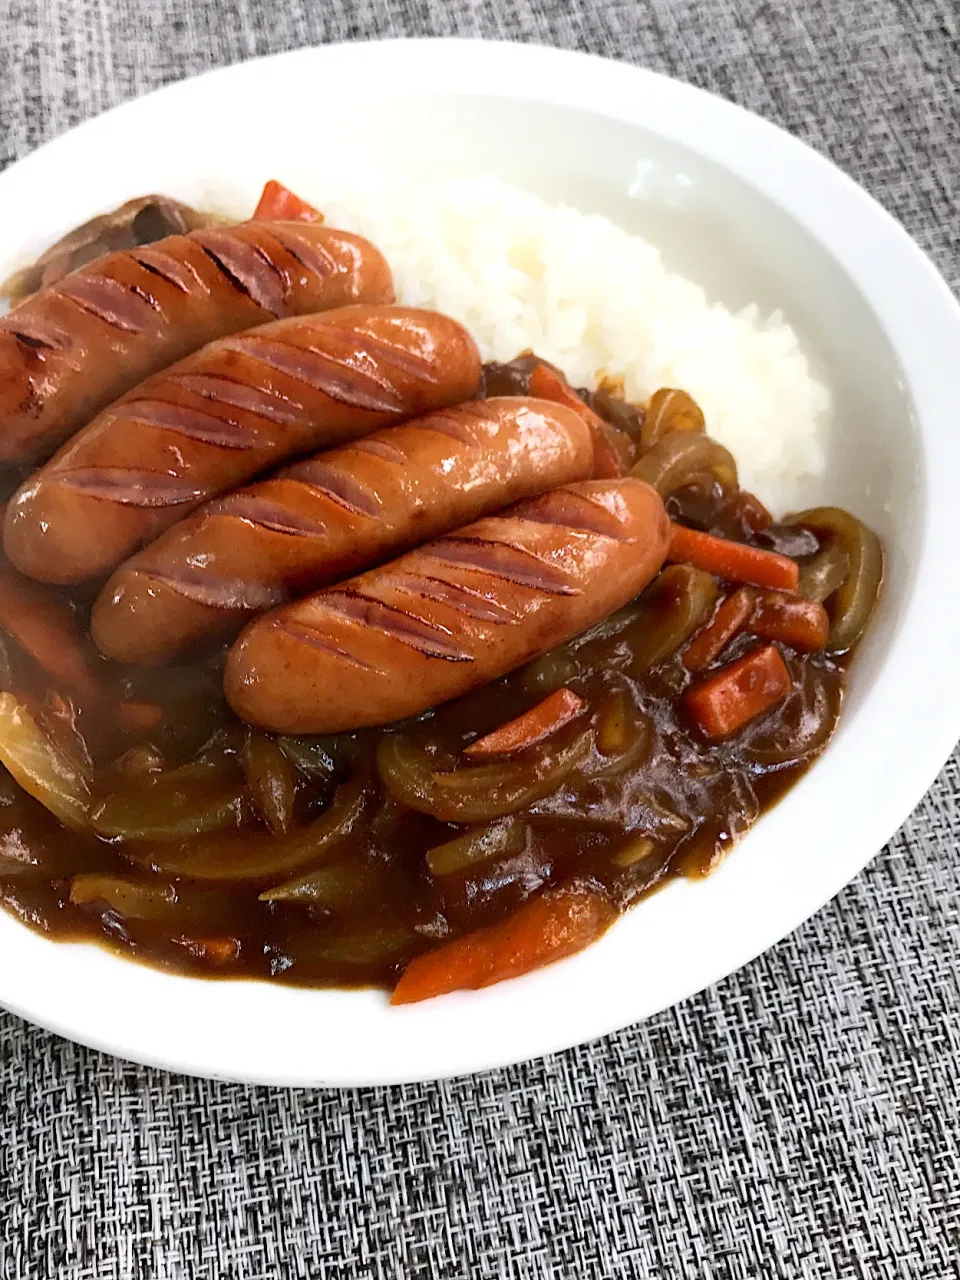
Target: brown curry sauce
{"points": [[650, 798]]}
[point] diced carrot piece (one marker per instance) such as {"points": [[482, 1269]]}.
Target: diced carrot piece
{"points": [[551, 926], [278, 204], [802, 624], [738, 692], [612, 450], [726, 623], [46, 629], [736, 561], [556, 710]]}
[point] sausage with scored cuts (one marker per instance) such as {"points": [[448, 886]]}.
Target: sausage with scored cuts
{"points": [[452, 615]]}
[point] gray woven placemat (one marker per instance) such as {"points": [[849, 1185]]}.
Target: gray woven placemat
{"points": [[801, 1119]]}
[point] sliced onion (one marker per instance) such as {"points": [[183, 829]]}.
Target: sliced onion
{"points": [[132, 899], [481, 844], [477, 793], [270, 778], [550, 672], [671, 609], [854, 600], [204, 796], [310, 755], [42, 769], [374, 947], [332, 887], [623, 736], [669, 411], [822, 575], [686, 458], [241, 856], [637, 849], [159, 902]]}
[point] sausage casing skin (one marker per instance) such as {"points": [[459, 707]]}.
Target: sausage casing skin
{"points": [[73, 348], [323, 519], [236, 408], [452, 615]]}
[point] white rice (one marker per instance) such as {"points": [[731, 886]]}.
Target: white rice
{"points": [[596, 301]]}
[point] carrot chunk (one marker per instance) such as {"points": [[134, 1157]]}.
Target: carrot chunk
{"points": [[612, 451], [802, 624], [556, 710], [549, 927], [738, 692], [735, 561], [278, 204], [728, 620]]}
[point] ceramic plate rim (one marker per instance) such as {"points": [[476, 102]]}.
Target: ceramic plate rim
{"points": [[559, 1007]]}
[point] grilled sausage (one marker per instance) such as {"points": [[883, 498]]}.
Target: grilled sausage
{"points": [[452, 615], [325, 518], [71, 349], [216, 419]]}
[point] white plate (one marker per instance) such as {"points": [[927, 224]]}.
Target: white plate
{"points": [[753, 214]]}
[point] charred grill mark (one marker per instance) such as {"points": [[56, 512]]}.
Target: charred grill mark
{"points": [[148, 298], [572, 511], [428, 638], [34, 342], [112, 302], [223, 390], [380, 449], [194, 424], [311, 257], [503, 560], [130, 488], [472, 603], [40, 332], [455, 424], [269, 515], [309, 635], [177, 273], [247, 268], [337, 485], [347, 386], [351, 347], [217, 593], [155, 271]]}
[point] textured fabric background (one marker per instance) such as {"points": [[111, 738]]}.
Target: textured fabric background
{"points": [[800, 1120]]}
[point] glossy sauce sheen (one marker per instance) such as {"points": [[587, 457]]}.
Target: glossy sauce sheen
{"points": [[216, 419], [323, 519], [75, 346], [647, 798], [452, 615]]}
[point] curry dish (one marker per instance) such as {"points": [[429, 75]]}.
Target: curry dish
{"points": [[333, 658]]}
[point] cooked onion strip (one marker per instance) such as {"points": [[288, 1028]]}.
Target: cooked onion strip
{"points": [[679, 601], [206, 795], [237, 856], [270, 778], [852, 603], [685, 458], [45, 772], [670, 411], [496, 840], [478, 793]]}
